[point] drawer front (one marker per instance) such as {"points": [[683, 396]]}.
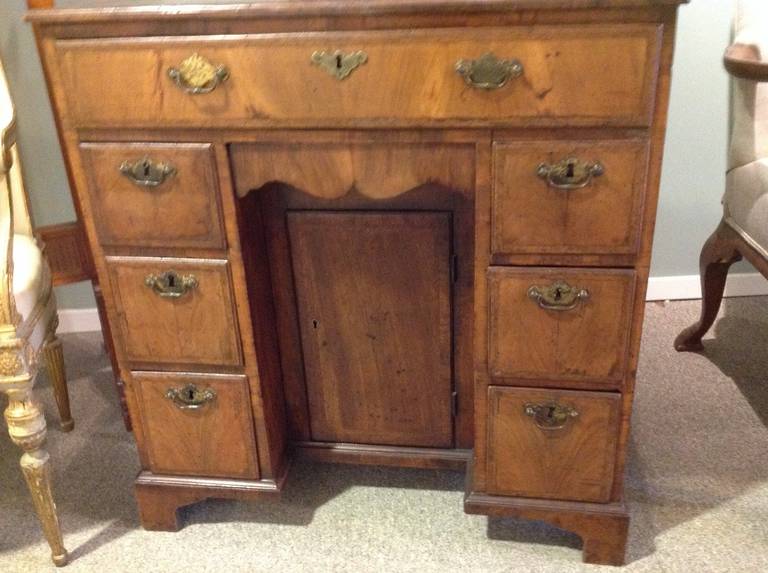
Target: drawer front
{"points": [[196, 424], [552, 444], [186, 321], [154, 195], [590, 75], [561, 197], [559, 324]]}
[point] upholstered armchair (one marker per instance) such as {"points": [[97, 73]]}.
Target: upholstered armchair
{"points": [[28, 323], [743, 230]]}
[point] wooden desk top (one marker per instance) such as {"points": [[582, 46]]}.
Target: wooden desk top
{"points": [[100, 9]]}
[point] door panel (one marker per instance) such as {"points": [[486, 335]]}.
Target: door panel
{"points": [[373, 296]]}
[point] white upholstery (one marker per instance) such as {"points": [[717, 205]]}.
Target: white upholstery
{"points": [[749, 136], [27, 273], [30, 279], [746, 198]]}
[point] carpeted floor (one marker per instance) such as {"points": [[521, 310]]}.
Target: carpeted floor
{"points": [[697, 484]]}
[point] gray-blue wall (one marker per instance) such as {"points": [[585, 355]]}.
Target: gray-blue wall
{"points": [[694, 162]]}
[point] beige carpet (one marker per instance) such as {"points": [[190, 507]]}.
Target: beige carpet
{"points": [[697, 484]]}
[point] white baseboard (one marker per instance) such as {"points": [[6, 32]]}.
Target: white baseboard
{"points": [[659, 288], [689, 286], [78, 320]]}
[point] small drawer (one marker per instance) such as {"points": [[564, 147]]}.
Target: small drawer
{"points": [[552, 444], [568, 198], [174, 313], [161, 196], [197, 425], [583, 75], [556, 325]]}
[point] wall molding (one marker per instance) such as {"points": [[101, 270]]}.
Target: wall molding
{"points": [[684, 287], [688, 287]]}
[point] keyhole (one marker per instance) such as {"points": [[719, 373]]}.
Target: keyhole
{"points": [[550, 413], [190, 394], [338, 61], [558, 294], [171, 281], [314, 324], [146, 168], [570, 171]]}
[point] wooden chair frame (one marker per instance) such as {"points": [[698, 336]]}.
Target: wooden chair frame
{"points": [[725, 246], [26, 340]]}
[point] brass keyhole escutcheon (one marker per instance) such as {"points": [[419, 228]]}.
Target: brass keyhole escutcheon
{"points": [[170, 284], [190, 397], [570, 173], [339, 64], [558, 296], [550, 416], [147, 173]]}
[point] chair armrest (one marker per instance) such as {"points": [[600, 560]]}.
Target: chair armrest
{"points": [[7, 140], [743, 61]]}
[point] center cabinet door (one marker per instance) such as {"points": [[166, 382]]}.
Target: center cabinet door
{"points": [[374, 301]]}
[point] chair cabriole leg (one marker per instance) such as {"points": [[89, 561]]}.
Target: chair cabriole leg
{"points": [[717, 256]]}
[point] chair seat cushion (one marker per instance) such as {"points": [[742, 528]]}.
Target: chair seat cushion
{"points": [[27, 273], [745, 204]]}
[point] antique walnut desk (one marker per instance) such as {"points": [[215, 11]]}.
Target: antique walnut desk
{"points": [[407, 232]]}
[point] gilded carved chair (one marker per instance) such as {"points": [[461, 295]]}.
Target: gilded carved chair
{"points": [[28, 323], [743, 230]]}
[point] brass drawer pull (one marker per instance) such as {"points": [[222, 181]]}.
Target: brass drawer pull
{"points": [[196, 75], [558, 296], [550, 416], [146, 173], [339, 64], [170, 284], [488, 72], [190, 397], [570, 173]]}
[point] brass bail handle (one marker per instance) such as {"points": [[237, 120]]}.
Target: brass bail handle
{"points": [[550, 416], [570, 173], [197, 76], [147, 173], [170, 284], [488, 72], [559, 296], [190, 397]]}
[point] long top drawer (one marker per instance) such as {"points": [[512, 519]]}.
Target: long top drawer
{"points": [[546, 75]]}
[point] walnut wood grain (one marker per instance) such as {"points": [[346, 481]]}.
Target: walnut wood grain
{"points": [[531, 216], [375, 325], [74, 11], [409, 77], [588, 342], [66, 250], [574, 462], [216, 440], [603, 527], [405, 135], [182, 212], [198, 329], [330, 170]]}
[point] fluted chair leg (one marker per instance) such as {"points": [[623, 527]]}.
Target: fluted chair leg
{"points": [[53, 354], [27, 428]]}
